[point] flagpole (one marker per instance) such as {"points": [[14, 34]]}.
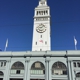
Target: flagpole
{"points": [[75, 47], [75, 43], [6, 45], [5, 48]]}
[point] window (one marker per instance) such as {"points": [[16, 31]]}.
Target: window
{"points": [[1, 73], [74, 64], [18, 72], [17, 65], [41, 36], [42, 12], [45, 42], [46, 12], [40, 49], [64, 72], [1, 64], [78, 64], [78, 74], [37, 13], [59, 68], [36, 43], [17, 68], [37, 68], [37, 65], [43, 71], [4, 63]]}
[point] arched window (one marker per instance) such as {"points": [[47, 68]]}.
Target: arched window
{"points": [[59, 68], [17, 68], [1, 73], [37, 68], [17, 65], [78, 74]]}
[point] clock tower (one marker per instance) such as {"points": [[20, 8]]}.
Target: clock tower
{"points": [[41, 30]]}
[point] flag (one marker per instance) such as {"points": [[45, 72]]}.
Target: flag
{"points": [[75, 41], [6, 43], [41, 41]]}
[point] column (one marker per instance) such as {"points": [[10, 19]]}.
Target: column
{"points": [[27, 70], [47, 68], [46, 71], [50, 73], [25, 73], [69, 70], [72, 70], [7, 71]]}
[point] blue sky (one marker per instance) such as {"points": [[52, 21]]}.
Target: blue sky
{"points": [[16, 24]]}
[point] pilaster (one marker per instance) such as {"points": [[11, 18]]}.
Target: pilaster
{"points": [[7, 70], [50, 73], [47, 69], [27, 69], [69, 70], [72, 70], [25, 73]]}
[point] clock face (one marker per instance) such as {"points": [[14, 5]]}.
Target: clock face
{"points": [[41, 28]]}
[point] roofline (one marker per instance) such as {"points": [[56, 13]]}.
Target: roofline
{"points": [[68, 53]]}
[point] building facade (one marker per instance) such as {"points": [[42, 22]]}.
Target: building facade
{"points": [[41, 63]]}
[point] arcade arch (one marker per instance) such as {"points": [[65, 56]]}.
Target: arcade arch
{"points": [[37, 68], [17, 68], [59, 68]]}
